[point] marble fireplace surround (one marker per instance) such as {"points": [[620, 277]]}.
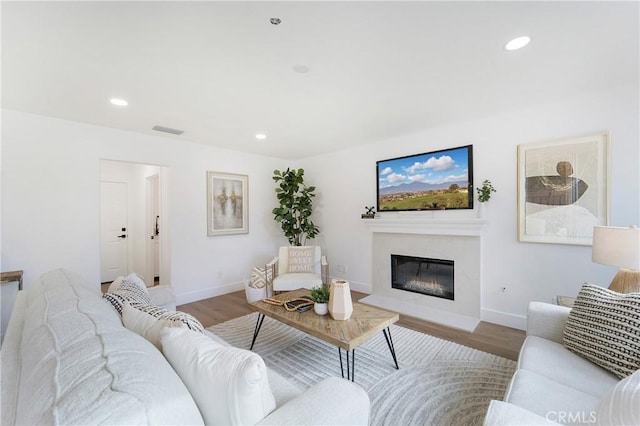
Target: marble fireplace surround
{"points": [[458, 240]]}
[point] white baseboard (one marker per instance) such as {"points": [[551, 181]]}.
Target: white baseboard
{"points": [[502, 318], [194, 296]]}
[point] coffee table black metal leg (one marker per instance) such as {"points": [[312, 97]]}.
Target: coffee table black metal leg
{"points": [[257, 329], [351, 368], [353, 364], [390, 344]]}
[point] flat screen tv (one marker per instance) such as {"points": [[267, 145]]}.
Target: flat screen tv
{"points": [[438, 180]]}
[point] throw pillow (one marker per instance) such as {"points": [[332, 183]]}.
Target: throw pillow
{"points": [[127, 291], [115, 284], [260, 277], [301, 259], [132, 278], [230, 385], [621, 405], [604, 327], [147, 325], [159, 312]]}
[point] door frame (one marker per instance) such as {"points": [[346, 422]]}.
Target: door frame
{"points": [[150, 225]]}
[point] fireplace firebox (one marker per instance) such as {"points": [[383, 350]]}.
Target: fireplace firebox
{"points": [[432, 277]]}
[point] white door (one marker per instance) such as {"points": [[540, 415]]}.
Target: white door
{"points": [[113, 230]]}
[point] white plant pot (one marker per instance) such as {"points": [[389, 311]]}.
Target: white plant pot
{"points": [[320, 308], [481, 210], [254, 294]]}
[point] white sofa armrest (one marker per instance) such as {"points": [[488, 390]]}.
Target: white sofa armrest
{"points": [[163, 295], [333, 401], [547, 321], [503, 413]]}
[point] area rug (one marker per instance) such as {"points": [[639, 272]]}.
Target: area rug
{"points": [[438, 383]]}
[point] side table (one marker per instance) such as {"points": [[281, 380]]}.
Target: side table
{"points": [[10, 277], [566, 301], [9, 294]]}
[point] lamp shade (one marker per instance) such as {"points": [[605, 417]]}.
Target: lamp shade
{"points": [[617, 246]]}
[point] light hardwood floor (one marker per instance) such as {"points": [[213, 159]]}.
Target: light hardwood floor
{"points": [[487, 337]]}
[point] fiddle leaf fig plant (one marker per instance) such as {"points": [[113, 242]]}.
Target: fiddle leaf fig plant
{"points": [[295, 200]]}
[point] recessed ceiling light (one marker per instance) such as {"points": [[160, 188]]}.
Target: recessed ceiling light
{"points": [[301, 69], [517, 43], [119, 102], [261, 136]]}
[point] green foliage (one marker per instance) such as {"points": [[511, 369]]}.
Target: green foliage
{"points": [[427, 201], [484, 192], [320, 294], [296, 205]]}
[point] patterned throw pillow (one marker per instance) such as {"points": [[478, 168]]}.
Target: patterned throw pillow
{"points": [[604, 327], [163, 313], [260, 277], [127, 291], [301, 259]]}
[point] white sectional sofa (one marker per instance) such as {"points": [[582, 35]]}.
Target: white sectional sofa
{"points": [[68, 359], [554, 385]]}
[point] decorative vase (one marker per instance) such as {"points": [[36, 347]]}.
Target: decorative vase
{"points": [[340, 305], [320, 308], [481, 210]]}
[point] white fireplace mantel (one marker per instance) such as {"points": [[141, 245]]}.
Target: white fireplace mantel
{"points": [[461, 227]]}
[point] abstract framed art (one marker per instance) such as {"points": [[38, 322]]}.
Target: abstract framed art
{"points": [[227, 204], [563, 189]]}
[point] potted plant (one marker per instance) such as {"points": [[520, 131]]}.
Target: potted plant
{"points": [[484, 195], [320, 297], [296, 206]]}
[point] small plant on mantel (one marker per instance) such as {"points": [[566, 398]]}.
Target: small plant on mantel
{"points": [[484, 192], [320, 294]]}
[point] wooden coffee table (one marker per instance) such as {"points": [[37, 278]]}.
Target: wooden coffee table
{"points": [[365, 322]]}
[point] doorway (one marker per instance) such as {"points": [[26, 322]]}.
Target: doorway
{"points": [[133, 205]]}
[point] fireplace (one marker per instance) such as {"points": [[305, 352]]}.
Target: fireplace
{"points": [[431, 277], [455, 239]]}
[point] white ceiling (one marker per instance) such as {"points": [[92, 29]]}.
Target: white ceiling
{"points": [[222, 72]]}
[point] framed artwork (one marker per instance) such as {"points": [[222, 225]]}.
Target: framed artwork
{"points": [[227, 204], [563, 189]]}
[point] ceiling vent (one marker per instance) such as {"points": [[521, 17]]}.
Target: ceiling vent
{"points": [[168, 130]]}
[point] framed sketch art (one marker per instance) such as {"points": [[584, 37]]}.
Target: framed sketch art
{"points": [[563, 189], [227, 204]]}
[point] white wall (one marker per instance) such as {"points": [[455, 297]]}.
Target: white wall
{"points": [[346, 182], [50, 195], [50, 202]]}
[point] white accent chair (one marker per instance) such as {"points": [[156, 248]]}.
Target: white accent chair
{"points": [[290, 274]]}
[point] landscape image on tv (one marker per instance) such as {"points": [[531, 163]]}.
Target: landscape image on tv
{"points": [[438, 180]]}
